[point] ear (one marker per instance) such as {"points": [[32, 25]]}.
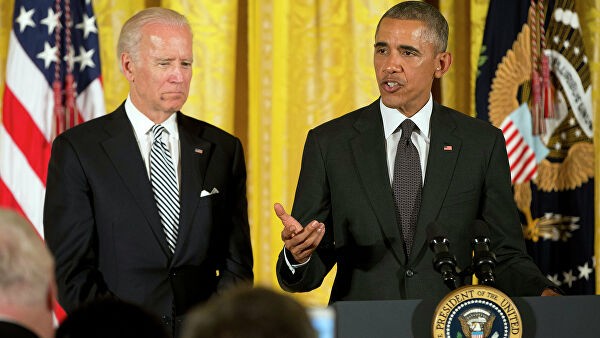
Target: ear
{"points": [[127, 66], [443, 60]]}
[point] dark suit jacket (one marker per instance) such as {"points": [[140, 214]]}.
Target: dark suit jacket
{"points": [[14, 330], [344, 182], [102, 224]]}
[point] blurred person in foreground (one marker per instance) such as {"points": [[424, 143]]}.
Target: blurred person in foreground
{"points": [[27, 287], [111, 318], [147, 204], [249, 313], [372, 181]]}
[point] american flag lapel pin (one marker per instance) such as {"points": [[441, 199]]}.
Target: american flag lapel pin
{"points": [[447, 148], [198, 151]]}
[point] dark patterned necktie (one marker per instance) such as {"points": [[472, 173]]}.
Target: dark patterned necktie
{"points": [[407, 184], [164, 186]]}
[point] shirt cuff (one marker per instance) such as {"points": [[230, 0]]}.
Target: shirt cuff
{"points": [[291, 266]]}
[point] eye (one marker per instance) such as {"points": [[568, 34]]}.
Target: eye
{"points": [[381, 50], [186, 64], [408, 53]]}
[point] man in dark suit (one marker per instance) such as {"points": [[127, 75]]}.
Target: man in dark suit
{"points": [[27, 286], [146, 204], [354, 194]]}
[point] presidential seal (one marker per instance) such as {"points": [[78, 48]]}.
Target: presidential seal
{"points": [[476, 311]]}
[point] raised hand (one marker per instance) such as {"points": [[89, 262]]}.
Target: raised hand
{"points": [[300, 241]]}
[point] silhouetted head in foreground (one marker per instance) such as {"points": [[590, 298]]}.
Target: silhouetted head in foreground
{"points": [[111, 318], [249, 313]]}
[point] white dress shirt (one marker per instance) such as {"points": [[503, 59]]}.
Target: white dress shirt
{"points": [[142, 126], [392, 119]]}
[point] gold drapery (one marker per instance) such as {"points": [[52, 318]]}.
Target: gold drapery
{"points": [[269, 70], [309, 61]]}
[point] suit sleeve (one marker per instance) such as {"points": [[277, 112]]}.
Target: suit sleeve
{"points": [[312, 202], [69, 228], [516, 273], [237, 259]]}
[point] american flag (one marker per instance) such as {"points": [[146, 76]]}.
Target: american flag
{"points": [[557, 207], [524, 149], [53, 81]]}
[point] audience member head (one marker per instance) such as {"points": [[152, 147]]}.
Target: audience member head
{"points": [[27, 285], [249, 313], [111, 318]]}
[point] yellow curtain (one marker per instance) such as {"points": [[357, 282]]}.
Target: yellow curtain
{"points": [[589, 16], [6, 13], [467, 22], [213, 88], [269, 70], [110, 16], [309, 61]]}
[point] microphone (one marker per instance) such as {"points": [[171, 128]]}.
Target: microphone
{"points": [[443, 261], [484, 260]]}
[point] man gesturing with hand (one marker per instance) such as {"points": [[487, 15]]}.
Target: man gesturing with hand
{"points": [[373, 179], [299, 241]]}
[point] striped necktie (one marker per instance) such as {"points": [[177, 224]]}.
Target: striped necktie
{"points": [[407, 183], [165, 186]]}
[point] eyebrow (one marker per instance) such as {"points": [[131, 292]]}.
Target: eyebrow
{"points": [[405, 47], [409, 48], [162, 59]]}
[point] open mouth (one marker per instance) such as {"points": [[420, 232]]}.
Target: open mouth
{"points": [[391, 86]]}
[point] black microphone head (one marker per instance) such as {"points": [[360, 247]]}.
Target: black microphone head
{"points": [[437, 237], [484, 260], [443, 261], [480, 229], [435, 229]]}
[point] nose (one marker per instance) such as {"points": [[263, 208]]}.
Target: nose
{"points": [[176, 75], [393, 64]]}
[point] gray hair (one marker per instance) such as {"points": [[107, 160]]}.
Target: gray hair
{"points": [[131, 32], [26, 265], [437, 26]]}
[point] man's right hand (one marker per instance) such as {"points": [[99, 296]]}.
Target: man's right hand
{"points": [[300, 241]]}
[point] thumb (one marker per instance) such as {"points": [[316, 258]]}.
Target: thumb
{"points": [[286, 219], [280, 211]]}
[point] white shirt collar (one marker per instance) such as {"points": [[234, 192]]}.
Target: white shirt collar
{"points": [[392, 118], [142, 124]]}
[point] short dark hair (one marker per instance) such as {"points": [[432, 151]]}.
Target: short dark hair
{"points": [[250, 313], [110, 317], [436, 24]]}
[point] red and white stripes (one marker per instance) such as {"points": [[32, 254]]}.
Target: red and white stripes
{"points": [[521, 158], [27, 129]]}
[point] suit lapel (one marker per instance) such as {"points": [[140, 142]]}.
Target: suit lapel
{"points": [[195, 155], [121, 147], [443, 154], [370, 158]]}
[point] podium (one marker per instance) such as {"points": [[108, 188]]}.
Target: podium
{"points": [[566, 316]]}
